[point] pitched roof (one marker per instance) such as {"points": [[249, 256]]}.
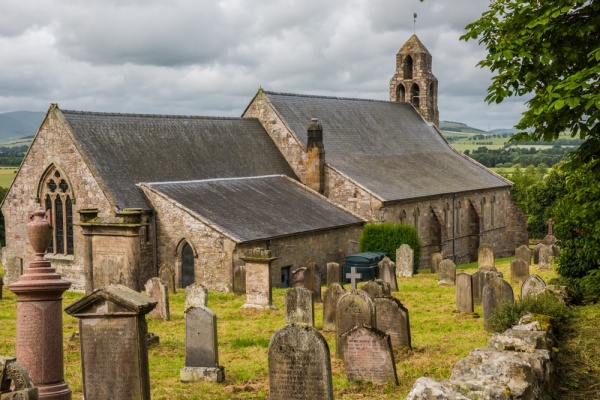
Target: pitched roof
{"points": [[414, 45], [126, 149], [259, 208], [385, 147]]}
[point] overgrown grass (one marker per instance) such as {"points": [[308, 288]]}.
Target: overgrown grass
{"points": [[440, 337]]}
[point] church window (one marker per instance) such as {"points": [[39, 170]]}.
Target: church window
{"points": [[403, 217], [430, 102], [447, 223], [400, 94], [408, 67], [414, 95], [58, 198]]}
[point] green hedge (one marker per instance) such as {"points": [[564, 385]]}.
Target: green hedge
{"points": [[387, 237]]}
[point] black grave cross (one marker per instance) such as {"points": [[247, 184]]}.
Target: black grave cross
{"points": [[353, 276]]}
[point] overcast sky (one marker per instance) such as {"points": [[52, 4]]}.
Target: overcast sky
{"points": [[209, 57]]}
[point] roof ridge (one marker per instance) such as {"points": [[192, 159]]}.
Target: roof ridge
{"points": [[326, 97], [174, 116], [240, 178]]}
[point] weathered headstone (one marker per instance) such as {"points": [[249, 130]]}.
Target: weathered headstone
{"points": [[299, 277], [13, 269], [485, 258], [330, 299], [519, 270], [315, 279], [113, 369], [15, 382], [157, 291], [391, 317], [532, 285], [387, 273], [239, 279], [196, 295], [446, 273], [436, 259], [536, 253], [299, 307], [354, 308], [259, 293], [373, 289], [201, 347], [299, 365], [404, 261], [494, 293], [334, 273], [480, 278], [546, 257], [464, 293], [167, 275], [368, 355], [523, 252]]}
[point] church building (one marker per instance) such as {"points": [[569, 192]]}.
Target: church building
{"points": [[296, 174]]}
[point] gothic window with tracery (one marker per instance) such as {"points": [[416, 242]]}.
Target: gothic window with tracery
{"points": [[58, 198]]}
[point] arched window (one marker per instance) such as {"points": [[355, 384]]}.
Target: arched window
{"points": [[400, 94], [402, 217], [416, 219], [447, 223], [414, 95], [408, 67], [57, 196]]}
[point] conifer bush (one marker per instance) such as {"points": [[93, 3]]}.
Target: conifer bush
{"points": [[387, 237]]}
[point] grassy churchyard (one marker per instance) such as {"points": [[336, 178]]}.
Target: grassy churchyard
{"points": [[440, 337]]}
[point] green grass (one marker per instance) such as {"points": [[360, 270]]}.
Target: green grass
{"points": [[440, 337], [7, 175]]}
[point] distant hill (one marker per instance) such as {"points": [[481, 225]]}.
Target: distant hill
{"points": [[451, 126], [19, 124], [502, 131]]}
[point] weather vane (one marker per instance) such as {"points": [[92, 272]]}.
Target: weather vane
{"points": [[415, 23]]}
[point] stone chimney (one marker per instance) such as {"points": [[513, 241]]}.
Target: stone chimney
{"points": [[315, 157]]}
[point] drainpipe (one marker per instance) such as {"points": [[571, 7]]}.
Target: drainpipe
{"points": [[454, 227]]}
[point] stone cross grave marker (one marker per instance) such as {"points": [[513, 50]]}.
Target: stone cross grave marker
{"points": [[485, 258], [446, 273], [110, 312], [353, 276], [299, 365], [523, 253], [391, 317], [480, 278], [368, 355], [464, 293], [334, 273], [519, 270], [404, 261], [354, 308], [196, 295], [494, 293], [156, 290], [167, 275], [201, 347], [532, 286], [436, 259], [546, 256], [330, 299], [299, 307], [387, 272]]}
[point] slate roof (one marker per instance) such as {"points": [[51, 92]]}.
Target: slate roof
{"points": [[385, 147], [126, 149], [259, 208]]}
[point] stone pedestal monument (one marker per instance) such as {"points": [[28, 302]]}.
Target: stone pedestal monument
{"points": [[39, 342], [258, 279]]}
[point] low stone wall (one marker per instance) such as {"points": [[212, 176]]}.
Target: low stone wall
{"points": [[517, 364]]}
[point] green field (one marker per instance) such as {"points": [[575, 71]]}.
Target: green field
{"points": [[7, 175]]}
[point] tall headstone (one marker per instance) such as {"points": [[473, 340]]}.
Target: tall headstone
{"points": [[480, 278], [113, 368], [259, 293], [523, 252], [196, 295], [404, 261], [330, 299], [464, 293], [239, 278], [546, 257], [387, 273], [368, 355], [13, 268], [536, 253], [299, 365], [495, 292], [354, 308], [201, 347], [532, 286], [519, 270], [167, 275], [299, 307], [15, 382], [334, 273], [446, 273], [485, 258], [391, 317], [313, 281], [436, 259], [373, 289], [39, 337], [299, 277], [157, 291]]}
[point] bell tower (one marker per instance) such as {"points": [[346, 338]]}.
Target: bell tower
{"points": [[413, 82]]}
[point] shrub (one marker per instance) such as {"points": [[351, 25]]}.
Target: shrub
{"points": [[387, 237]]}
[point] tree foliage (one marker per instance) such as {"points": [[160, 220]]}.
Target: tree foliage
{"points": [[387, 237], [550, 52]]}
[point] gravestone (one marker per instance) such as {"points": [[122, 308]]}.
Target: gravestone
{"points": [[485, 258], [167, 275], [446, 273], [536, 253], [368, 355], [196, 295], [391, 317], [545, 258], [314, 278], [404, 261], [330, 299], [13, 269], [523, 253], [495, 292], [108, 313], [480, 278], [157, 291], [436, 259], [259, 293], [519, 270], [201, 347], [299, 277], [15, 382], [239, 279], [373, 289], [464, 293], [299, 307], [532, 286], [354, 308], [334, 273], [387, 273], [299, 365]]}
